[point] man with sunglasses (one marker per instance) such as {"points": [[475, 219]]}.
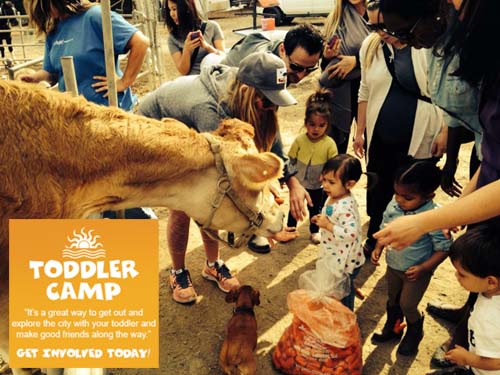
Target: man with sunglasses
{"points": [[300, 50]]}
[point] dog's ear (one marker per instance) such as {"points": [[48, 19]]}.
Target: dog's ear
{"points": [[232, 295], [256, 297]]}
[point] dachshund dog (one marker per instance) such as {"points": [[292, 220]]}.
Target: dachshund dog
{"points": [[236, 356]]}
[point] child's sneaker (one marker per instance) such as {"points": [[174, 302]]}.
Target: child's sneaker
{"points": [[182, 288], [221, 275], [316, 238]]}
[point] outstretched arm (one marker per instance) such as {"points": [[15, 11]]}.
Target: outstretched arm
{"points": [[298, 198], [463, 357], [40, 75], [480, 205]]}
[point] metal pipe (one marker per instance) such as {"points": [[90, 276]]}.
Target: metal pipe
{"points": [[69, 75], [109, 52]]}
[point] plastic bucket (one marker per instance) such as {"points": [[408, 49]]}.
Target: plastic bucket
{"points": [[268, 24]]}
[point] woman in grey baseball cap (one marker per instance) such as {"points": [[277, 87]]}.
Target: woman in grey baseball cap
{"points": [[252, 93]]}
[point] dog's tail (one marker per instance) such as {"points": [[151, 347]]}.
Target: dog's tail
{"points": [[234, 354], [232, 359]]}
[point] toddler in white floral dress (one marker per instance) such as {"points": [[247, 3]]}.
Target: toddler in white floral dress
{"points": [[340, 221]]}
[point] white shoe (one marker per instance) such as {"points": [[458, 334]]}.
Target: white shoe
{"points": [[315, 238]]}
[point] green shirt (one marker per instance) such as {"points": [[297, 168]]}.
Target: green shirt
{"points": [[309, 158]]}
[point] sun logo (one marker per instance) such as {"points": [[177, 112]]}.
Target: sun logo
{"points": [[84, 245]]}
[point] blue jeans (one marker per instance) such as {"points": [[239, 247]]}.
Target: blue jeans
{"points": [[348, 301]]}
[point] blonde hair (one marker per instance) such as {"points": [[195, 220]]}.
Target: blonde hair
{"points": [[241, 102], [374, 41], [333, 19]]}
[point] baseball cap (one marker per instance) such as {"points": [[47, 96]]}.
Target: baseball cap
{"points": [[266, 72]]}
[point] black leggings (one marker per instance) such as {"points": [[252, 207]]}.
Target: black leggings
{"points": [[8, 40], [318, 198]]}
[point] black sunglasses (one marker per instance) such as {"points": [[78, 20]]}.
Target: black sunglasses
{"points": [[405, 35], [377, 27], [299, 68]]}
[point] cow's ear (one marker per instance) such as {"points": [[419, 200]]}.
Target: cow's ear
{"points": [[255, 170]]}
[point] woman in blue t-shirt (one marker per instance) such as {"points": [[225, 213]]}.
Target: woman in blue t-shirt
{"points": [[74, 28]]}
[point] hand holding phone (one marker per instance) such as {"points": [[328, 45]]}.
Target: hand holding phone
{"points": [[332, 41], [195, 35]]}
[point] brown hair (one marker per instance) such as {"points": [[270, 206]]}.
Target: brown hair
{"points": [[373, 40], [40, 11], [188, 17], [241, 102], [320, 103]]}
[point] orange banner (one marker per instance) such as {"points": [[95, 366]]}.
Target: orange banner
{"points": [[83, 293]]}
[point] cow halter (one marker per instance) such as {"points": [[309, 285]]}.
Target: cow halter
{"points": [[224, 188]]}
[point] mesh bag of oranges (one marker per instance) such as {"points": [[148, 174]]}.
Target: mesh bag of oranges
{"points": [[323, 338]]}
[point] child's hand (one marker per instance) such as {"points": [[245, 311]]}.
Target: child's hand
{"points": [[321, 221], [376, 255], [458, 355], [447, 232], [414, 272]]}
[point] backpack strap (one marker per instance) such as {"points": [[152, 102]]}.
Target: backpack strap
{"points": [[195, 52]]}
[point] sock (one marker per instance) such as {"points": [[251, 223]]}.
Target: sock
{"points": [[176, 272], [219, 262]]}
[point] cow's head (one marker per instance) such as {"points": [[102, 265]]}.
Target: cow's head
{"points": [[250, 174]]}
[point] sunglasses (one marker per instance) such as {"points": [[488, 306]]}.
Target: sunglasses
{"points": [[402, 35], [299, 68], [377, 27]]}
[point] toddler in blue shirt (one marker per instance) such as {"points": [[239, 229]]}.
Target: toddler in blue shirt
{"points": [[409, 271]]}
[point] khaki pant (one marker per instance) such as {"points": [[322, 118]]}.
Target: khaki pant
{"points": [[407, 294]]}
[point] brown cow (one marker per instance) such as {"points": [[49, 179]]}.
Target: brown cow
{"points": [[63, 157]]}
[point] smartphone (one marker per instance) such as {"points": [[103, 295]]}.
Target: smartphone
{"points": [[195, 35], [332, 41]]}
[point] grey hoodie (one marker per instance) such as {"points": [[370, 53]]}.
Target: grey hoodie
{"points": [[194, 100]]}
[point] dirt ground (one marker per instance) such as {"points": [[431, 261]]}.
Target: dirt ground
{"points": [[191, 336]]}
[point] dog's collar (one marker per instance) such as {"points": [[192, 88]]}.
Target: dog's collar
{"points": [[243, 309]]}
